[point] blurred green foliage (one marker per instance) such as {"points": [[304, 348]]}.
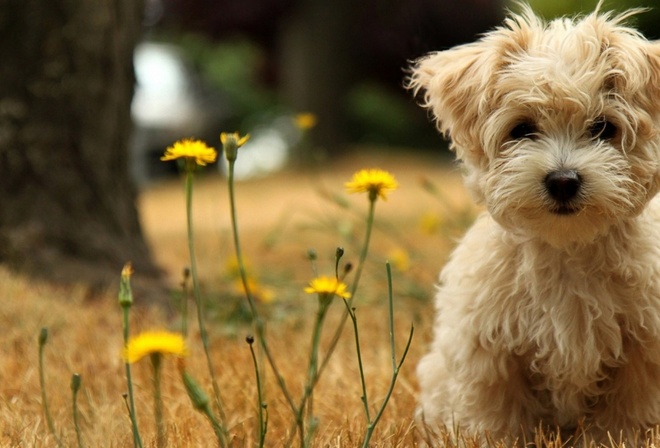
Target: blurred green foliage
{"points": [[232, 67], [380, 114], [648, 22], [376, 113]]}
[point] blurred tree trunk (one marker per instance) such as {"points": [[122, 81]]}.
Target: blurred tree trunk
{"points": [[316, 70], [68, 205]]}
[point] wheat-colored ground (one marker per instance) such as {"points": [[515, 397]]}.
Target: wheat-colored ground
{"points": [[280, 218]]}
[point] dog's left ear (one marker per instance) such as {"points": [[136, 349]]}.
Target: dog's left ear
{"points": [[653, 55], [453, 85], [653, 97], [637, 67]]}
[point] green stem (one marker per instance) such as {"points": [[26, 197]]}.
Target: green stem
{"points": [[200, 402], [196, 289], [43, 338], [263, 424], [258, 322], [137, 440], [218, 429], [396, 367], [312, 371], [390, 302], [161, 438], [372, 425], [307, 399], [358, 273], [363, 383], [184, 305], [356, 281], [365, 248], [237, 242]]}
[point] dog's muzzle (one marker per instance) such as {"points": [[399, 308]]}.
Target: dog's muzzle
{"points": [[563, 186]]}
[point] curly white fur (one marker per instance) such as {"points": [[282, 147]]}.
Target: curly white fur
{"points": [[548, 312]]}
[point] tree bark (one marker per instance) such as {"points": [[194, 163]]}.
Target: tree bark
{"points": [[67, 210]]}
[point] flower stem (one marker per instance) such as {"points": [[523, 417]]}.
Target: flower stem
{"points": [[365, 248], [356, 281], [184, 303], [312, 370], [337, 335], [263, 418], [218, 429], [43, 338], [237, 245], [396, 367], [363, 383], [137, 440], [258, 322], [196, 290], [200, 402], [161, 438]]}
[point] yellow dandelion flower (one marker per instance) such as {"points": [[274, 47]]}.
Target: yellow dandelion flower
{"points": [[328, 286], [257, 290], [400, 259], [430, 223], [374, 181], [195, 150], [305, 121], [232, 267], [150, 342]]}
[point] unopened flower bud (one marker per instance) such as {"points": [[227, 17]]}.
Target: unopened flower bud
{"points": [[230, 144], [348, 267], [197, 395], [76, 381], [311, 254], [125, 293], [43, 336]]}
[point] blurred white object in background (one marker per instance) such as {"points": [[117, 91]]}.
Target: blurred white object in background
{"points": [[268, 149], [170, 102]]}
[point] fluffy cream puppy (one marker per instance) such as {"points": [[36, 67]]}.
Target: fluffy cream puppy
{"points": [[548, 311]]}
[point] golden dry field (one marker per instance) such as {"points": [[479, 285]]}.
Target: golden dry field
{"points": [[280, 217]]}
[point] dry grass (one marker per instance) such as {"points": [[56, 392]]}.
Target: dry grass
{"points": [[280, 217]]}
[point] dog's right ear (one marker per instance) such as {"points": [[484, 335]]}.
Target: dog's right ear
{"points": [[454, 85]]}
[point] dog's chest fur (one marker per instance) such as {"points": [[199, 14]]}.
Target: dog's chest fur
{"points": [[567, 316], [571, 329]]}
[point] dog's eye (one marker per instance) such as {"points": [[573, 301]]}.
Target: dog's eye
{"points": [[523, 130], [603, 129]]}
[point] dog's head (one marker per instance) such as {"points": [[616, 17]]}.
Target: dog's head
{"points": [[557, 124]]}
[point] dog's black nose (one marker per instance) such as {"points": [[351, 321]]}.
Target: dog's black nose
{"points": [[563, 185]]}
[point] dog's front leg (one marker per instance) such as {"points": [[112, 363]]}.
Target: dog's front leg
{"points": [[631, 405], [491, 394], [470, 388]]}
